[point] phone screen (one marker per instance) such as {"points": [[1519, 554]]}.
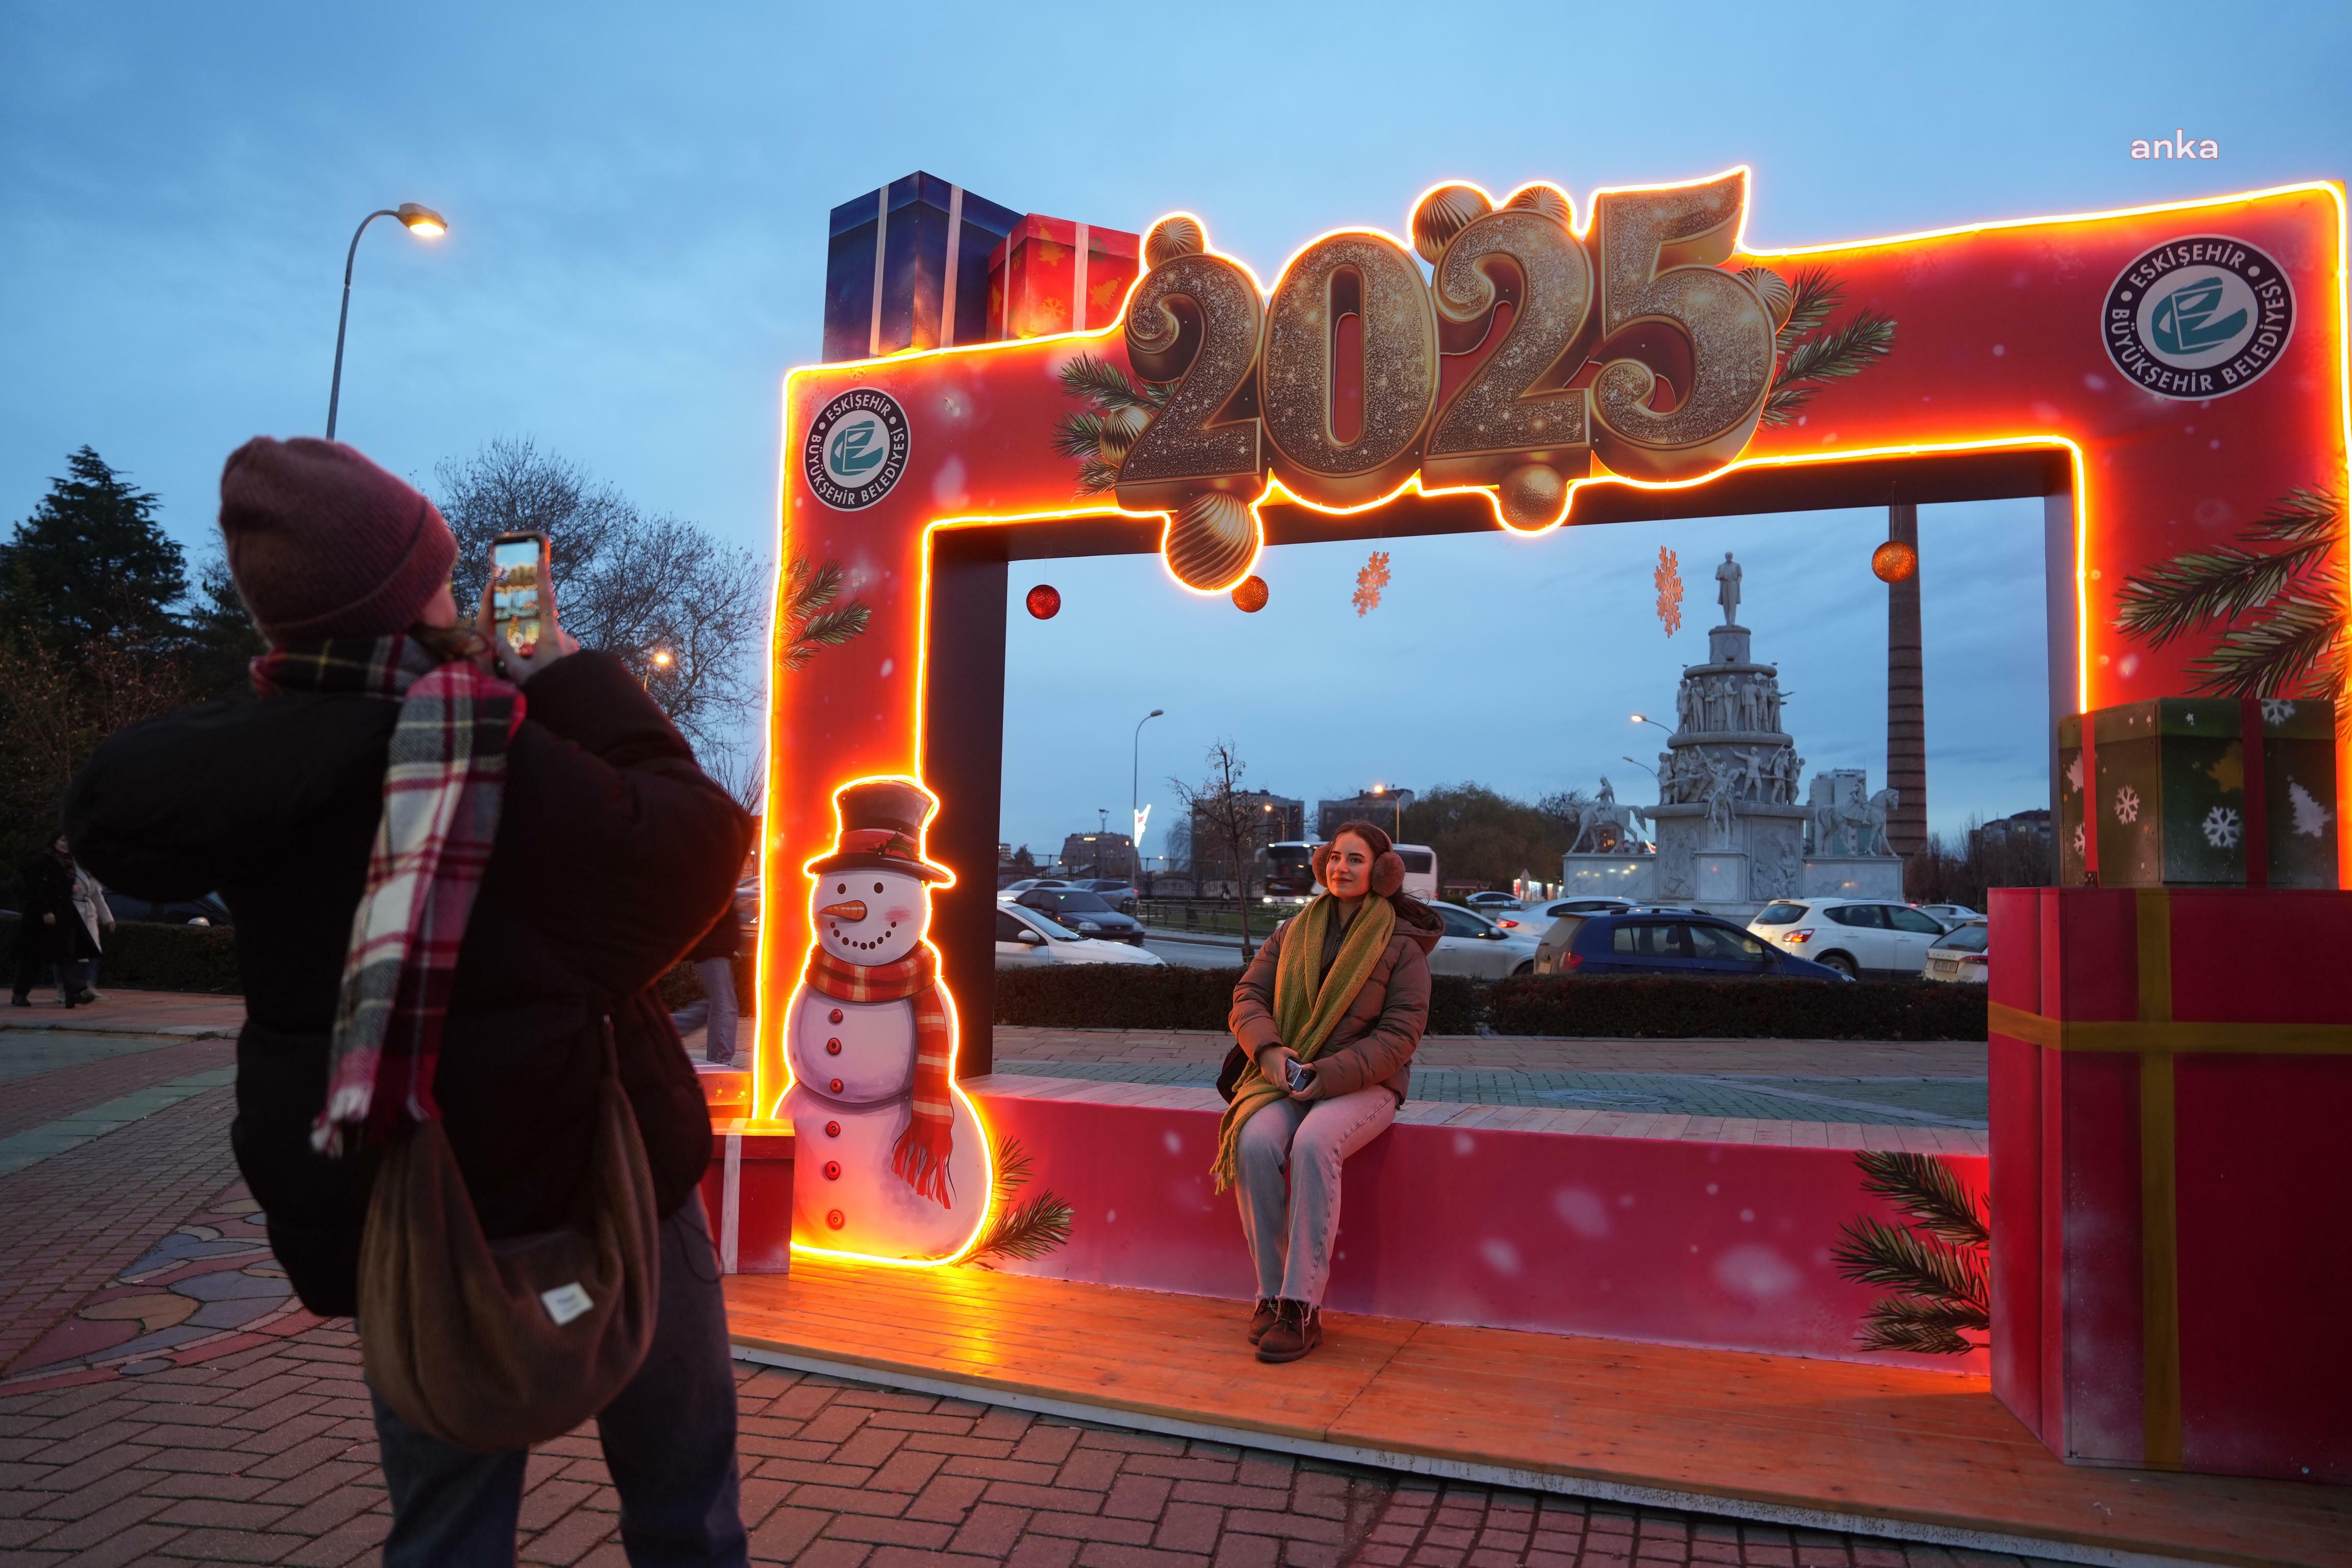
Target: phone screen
{"points": [[514, 592]]}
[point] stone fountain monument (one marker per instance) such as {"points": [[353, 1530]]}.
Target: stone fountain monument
{"points": [[1732, 833]]}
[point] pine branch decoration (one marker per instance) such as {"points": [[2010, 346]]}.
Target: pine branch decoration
{"points": [[812, 620], [1022, 1230], [1106, 389], [2296, 643], [1818, 293], [1830, 355], [1937, 1265]]}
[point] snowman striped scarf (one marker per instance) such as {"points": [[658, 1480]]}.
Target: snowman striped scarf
{"points": [[445, 771], [920, 1156]]}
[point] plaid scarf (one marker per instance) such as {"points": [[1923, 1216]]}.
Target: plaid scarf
{"points": [[921, 1157], [444, 774]]}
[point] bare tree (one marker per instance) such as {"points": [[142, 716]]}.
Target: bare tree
{"points": [[686, 613], [1234, 824]]}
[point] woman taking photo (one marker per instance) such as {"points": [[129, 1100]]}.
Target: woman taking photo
{"points": [[1328, 1013]]}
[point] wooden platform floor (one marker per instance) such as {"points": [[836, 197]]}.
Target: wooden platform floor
{"points": [[1826, 1445]]}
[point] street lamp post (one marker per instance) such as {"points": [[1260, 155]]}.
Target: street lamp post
{"points": [[422, 222], [1397, 800], [1135, 790], [1645, 718]]}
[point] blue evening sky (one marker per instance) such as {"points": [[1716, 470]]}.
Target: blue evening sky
{"points": [[638, 195]]}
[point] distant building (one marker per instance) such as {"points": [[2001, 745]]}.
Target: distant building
{"points": [[1097, 855], [1382, 810], [2023, 828]]}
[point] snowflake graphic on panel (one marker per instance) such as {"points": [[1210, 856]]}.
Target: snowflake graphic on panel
{"points": [[2221, 828], [2310, 816], [2127, 804], [2079, 849], [2074, 775], [1668, 581], [1369, 582], [2276, 711]]}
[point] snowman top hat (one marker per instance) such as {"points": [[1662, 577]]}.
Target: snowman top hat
{"points": [[880, 828]]}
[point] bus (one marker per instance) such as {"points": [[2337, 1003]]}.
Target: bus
{"points": [[1286, 871]]}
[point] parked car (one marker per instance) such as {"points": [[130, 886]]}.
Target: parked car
{"points": [[1859, 936], [1484, 901], [1477, 946], [1119, 895], [1960, 954], [1534, 920], [1950, 914], [1087, 913], [1026, 883], [1026, 940], [207, 910], [1666, 941]]}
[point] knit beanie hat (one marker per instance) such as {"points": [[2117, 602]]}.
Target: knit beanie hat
{"points": [[323, 543]]}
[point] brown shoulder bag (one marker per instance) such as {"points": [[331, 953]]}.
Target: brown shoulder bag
{"points": [[494, 1346]]}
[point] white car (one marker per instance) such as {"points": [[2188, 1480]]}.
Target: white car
{"points": [[1535, 918], [1478, 947], [1952, 915], [1026, 940], [1960, 955], [1864, 937]]}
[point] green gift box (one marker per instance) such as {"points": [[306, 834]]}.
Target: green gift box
{"points": [[2194, 791]]}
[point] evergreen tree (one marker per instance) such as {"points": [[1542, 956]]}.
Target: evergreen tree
{"points": [[91, 568]]}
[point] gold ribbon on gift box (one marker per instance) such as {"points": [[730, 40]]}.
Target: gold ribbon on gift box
{"points": [[2156, 1039]]}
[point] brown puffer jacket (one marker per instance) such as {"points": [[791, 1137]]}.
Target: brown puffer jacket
{"points": [[1373, 1041]]}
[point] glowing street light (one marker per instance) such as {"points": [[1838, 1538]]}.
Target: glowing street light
{"points": [[661, 657], [422, 222], [1645, 718]]}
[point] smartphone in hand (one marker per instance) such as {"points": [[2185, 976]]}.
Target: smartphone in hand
{"points": [[1300, 1076], [521, 596]]}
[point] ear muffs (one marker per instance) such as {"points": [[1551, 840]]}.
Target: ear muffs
{"points": [[1320, 857], [1388, 874]]}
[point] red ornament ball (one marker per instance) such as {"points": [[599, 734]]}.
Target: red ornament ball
{"points": [[1250, 595], [1044, 601], [1894, 562]]}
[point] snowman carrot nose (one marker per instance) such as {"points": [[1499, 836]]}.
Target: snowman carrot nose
{"points": [[854, 910]]}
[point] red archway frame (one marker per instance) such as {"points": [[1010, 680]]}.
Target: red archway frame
{"points": [[2001, 385]]}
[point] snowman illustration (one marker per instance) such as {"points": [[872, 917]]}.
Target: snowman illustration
{"points": [[892, 1161]]}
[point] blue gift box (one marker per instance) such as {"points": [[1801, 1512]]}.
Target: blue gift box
{"points": [[908, 268]]}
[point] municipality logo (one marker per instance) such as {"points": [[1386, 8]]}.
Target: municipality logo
{"points": [[856, 449], [2198, 316]]}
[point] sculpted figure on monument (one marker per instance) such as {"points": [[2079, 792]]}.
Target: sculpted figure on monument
{"points": [[1750, 715], [1727, 589]]}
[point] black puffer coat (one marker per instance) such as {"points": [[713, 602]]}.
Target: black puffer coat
{"points": [[613, 853]]}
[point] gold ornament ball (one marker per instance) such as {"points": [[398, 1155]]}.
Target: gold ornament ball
{"points": [[1894, 562], [1774, 290], [1171, 237], [1119, 428], [1250, 595], [1442, 213], [1531, 495], [1544, 201], [1213, 538]]}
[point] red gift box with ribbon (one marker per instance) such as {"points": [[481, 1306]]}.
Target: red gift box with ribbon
{"points": [[748, 1194], [2171, 1079], [1042, 268]]}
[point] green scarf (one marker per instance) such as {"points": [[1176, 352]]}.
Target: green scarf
{"points": [[1306, 1013]]}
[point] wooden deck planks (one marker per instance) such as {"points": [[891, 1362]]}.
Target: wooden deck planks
{"points": [[1921, 1454]]}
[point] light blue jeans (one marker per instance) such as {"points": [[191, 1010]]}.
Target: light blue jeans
{"points": [[1289, 1231], [719, 1027]]}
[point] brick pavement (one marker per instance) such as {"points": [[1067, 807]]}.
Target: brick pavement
{"points": [[34, 1101], [267, 1456]]}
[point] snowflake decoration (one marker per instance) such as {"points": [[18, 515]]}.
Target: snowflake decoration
{"points": [[2221, 828], [2127, 804], [2074, 775], [2080, 849], [1369, 582], [2310, 816], [2276, 711], [1668, 580]]}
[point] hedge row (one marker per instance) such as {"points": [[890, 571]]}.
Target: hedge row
{"points": [[1120, 996], [143, 955], [1172, 996]]}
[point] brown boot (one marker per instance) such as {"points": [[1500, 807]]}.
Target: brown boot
{"points": [[1263, 1318], [1297, 1329]]}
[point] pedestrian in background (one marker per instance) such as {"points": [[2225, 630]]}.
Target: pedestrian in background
{"points": [[453, 895], [714, 963], [90, 904], [46, 924]]}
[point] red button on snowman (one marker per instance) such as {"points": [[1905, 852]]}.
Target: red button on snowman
{"points": [[892, 1162]]}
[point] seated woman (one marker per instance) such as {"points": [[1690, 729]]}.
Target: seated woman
{"points": [[1328, 1013]]}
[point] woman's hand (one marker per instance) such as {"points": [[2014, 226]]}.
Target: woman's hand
{"points": [[1311, 1089], [511, 662], [1274, 1063]]}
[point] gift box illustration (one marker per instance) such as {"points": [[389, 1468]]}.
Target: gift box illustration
{"points": [[906, 268], [2199, 791], [1051, 275]]}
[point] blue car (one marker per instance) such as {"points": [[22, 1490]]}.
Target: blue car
{"points": [[1661, 942]]}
